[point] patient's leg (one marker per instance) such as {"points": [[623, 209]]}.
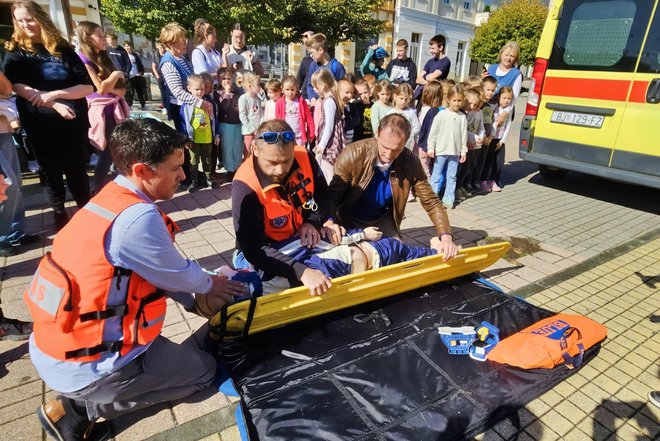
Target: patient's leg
{"points": [[361, 261]]}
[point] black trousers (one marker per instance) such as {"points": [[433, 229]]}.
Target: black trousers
{"points": [[61, 149], [137, 86], [465, 169], [494, 162]]}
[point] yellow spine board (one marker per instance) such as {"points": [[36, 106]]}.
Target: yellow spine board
{"points": [[295, 304]]}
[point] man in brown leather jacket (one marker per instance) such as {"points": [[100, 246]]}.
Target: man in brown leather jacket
{"points": [[372, 180]]}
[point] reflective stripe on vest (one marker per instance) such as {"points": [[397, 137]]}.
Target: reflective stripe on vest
{"points": [[69, 296], [282, 217]]}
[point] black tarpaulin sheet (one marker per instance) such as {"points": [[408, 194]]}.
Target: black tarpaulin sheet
{"points": [[337, 378]]}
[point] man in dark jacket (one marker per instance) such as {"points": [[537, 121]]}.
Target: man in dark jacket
{"points": [[373, 178]]}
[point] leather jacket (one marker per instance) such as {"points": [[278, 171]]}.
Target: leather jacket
{"points": [[354, 170]]}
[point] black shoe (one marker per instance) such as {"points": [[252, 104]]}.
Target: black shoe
{"points": [[14, 330], [476, 190], [8, 251], [61, 219], [467, 191], [61, 421], [26, 239], [460, 195]]}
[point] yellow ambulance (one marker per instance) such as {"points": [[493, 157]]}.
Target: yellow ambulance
{"points": [[594, 100]]}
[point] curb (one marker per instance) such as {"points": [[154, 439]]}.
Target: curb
{"points": [[591, 263]]}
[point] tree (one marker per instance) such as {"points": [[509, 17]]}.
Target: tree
{"points": [[266, 22], [516, 20]]}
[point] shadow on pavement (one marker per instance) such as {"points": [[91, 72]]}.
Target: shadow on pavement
{"points": [[514, 171], [617, 193], [608, 414], [12, 355], [650, 281]]}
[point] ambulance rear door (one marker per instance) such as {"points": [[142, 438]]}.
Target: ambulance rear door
{"points": [[588, 79], [637, 147]]}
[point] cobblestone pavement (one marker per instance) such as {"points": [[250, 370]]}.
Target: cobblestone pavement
{"points": [[559, 230]]}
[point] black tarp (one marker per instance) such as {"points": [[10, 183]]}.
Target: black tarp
{"points": [[335, 378]]}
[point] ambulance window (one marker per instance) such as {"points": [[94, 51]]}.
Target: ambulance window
{"points": [[600, 35], [650, 59]]}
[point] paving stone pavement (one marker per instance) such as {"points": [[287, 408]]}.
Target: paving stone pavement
{"points": [[559, 224]]}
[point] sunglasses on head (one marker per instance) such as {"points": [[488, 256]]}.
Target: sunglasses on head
{"points": [[271, 137]]}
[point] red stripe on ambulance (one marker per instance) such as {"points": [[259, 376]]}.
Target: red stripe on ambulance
{"points": [[614, 90]]}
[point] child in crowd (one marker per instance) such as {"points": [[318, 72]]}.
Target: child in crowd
{"points": [[402, 99], [274, 92], [376, 55], [371, 81], [231, 140], [209, 82], [490, 177], [363, 104], [250, 110], [293, 108], [446, 85], [199, 126], [448, 144], [318, 50], [382, 95], [329, 122], [402, 69], [473, 81], [476, 133], [351, 115], [431, 105], [488, 108]]}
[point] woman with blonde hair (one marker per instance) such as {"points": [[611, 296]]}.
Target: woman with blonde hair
{"points": [[107, 107], [176, 69], [506, 71], [51, 83]]}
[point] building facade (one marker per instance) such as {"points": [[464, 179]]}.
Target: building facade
{"points": [[419, 20]]}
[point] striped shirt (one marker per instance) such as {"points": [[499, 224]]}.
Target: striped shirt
{"points": [[179, 95]]}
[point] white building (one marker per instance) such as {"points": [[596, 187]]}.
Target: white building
{"points": [[419, 20]]}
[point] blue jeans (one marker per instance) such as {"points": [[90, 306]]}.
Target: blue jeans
{"points": [[12, 211], [232, 146], [451, 161]]}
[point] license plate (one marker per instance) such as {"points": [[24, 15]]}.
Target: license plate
{"points": [[577, 119]]}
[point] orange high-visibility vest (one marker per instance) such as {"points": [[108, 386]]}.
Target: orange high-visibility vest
{"points": [[282, 217], [70, 295]]}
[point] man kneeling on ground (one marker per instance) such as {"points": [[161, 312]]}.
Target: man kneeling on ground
{"points": [[279, 193], [98, 301]]}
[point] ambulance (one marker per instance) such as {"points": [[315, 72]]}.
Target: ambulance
{"points": [[594, 101]]}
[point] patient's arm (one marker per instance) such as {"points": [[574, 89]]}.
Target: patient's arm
{"points": [[369, 233]]}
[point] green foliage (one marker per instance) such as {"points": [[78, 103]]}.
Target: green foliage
{"points": [[516, 20], [270, 21]]}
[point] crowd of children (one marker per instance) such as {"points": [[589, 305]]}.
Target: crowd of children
{"points": [[458, 130]]}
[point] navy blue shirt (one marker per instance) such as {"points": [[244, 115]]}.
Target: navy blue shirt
{"points": [[442, 64], [376, 199]]}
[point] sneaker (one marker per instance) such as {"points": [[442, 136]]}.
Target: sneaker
{"points": [[467, 190], [26, 239], [460, 195], [14, 330], [61, 421], [494, 186], [476, 189], [448, 206], [193, 187], [654, 397], [484, 186]]}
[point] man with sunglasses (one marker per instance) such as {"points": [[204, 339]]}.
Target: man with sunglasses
{"points": [[373, 178], [279, 193]]}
